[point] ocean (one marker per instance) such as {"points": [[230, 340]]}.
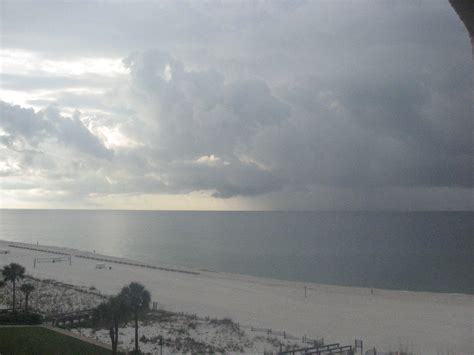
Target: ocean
{"points": [[419, 251]]}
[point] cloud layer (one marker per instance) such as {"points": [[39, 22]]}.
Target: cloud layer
{"points": [[283, 105]]}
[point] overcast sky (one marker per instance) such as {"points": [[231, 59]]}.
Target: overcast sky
{"points": [[235, 105]]}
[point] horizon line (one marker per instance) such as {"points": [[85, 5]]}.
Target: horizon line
{"points": [[235, 210]]}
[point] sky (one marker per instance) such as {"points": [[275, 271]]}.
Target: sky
{"points": [[235, 105]]}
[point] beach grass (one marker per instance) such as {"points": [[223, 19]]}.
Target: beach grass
{"points": [[42, 341]]}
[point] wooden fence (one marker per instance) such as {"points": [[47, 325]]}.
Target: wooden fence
{"points": [[110, 260], [70, 317], [334, 348]]}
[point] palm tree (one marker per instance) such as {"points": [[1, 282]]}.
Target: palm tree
{"points": [[13, 273], [138, 299], [2, 284], [112, 313], [27, 289]]}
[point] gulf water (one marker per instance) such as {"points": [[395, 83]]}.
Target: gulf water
{"points": [[421, 251]]}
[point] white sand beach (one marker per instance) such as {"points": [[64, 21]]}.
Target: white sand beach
{"points": [[422, 322]]}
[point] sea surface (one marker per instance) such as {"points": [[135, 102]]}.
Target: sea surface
{"points": [[421, 251]]}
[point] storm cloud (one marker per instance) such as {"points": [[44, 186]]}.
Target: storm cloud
{"points": [[288, 105]]}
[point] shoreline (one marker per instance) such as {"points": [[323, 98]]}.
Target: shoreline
{"points": [[79, 253], [426, 321]]}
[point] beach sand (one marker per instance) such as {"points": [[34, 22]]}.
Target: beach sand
{"points": [[422, 322]]}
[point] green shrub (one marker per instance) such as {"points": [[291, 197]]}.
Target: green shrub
{"points": [[20, 318]]}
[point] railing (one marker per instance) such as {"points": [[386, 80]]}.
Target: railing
{"points": [[308, 349], [334, 348], [70, 317], [337, 350]]}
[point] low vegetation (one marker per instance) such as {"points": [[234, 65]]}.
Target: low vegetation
{"points": [[188, 333], [51, 297], [22, 318]]}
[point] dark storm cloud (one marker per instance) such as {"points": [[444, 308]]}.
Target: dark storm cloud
{"points": [[377, 133], [193, 115], [316, 100]]}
